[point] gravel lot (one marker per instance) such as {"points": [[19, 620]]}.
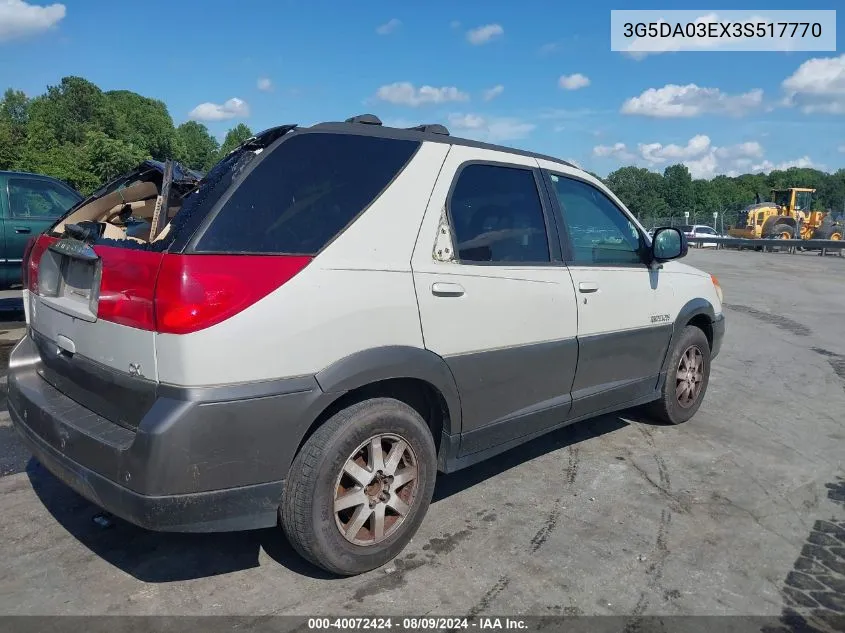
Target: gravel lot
{"points": [[739, 511]]}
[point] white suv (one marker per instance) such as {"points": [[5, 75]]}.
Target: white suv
{"points": [[701, 230], [333, 315]]}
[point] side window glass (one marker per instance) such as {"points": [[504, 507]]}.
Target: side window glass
{"points": [[497, 216], [37, 199], [600, 232]]}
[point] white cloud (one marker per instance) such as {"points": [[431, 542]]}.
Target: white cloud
{"points": [[264, 84], [691, 100], [405, 93], [20, 19], [232, 109], [741, 152], [484, 34], [455, 24], [573, 82], [766, 166], [659, 153], [492, 129], [618, 151], [492, 93], [702, 158], [817, 86], [388, 27]]}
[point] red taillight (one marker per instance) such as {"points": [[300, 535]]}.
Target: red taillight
{"points": [[177, 294], [197, 291], [32, 258], [127, 287]]}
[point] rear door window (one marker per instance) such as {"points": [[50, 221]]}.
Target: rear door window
{"points": [[498, 217], [305, 192], [31, 198]]}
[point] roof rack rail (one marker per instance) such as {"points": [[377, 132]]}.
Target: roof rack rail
{"points": [[366, 119], [431, 128]]}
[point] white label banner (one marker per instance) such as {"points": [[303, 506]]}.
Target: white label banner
{"points": [[644, 32]]}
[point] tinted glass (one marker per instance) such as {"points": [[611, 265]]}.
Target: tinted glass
{"points": [[38, 199], [600, 232], [497, 216], [305, 192]]}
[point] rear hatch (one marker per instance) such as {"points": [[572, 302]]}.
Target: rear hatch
{"points": [[94, 298]]}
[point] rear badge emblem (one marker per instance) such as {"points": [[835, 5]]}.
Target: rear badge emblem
{"points": [[135, 369]]}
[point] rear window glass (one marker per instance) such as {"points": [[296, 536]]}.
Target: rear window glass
{"points": [[305, 192]]}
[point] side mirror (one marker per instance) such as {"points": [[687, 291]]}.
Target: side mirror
{"points": [[668, 243]]}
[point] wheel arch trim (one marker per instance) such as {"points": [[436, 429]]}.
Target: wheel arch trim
{"points": [[394, 362], [691, 309]]}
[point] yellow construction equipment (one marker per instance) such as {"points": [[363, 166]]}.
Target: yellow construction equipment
{"points": [[788, 216]]}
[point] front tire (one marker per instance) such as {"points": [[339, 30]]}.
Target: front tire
{"points": [[360, 486], [686, 378], [782, 232]]}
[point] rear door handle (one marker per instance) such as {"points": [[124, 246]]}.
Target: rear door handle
{"points": [[23, 229], [588, 286], [443, 289]]}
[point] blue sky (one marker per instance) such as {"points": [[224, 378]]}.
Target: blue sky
{"points": [[411, 62]]}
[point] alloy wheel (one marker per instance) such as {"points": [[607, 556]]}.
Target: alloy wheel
{"points": [[375, 490], [689, 377]]}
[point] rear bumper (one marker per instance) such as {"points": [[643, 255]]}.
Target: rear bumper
{"points": [[201, 460], [243, 508], [718, 335]]}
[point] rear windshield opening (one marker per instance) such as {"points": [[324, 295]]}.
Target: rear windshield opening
{"points": [[305, 192], [121, 213], [124, 215]]}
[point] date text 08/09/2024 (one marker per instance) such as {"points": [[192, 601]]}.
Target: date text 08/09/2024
{"points": [[416, 624]]}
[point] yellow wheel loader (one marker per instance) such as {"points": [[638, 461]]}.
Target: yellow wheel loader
{"points": [[788, 216]]}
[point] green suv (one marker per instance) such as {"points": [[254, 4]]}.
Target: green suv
{"points": [[29, 204]]}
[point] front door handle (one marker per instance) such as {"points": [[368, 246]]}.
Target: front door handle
{"points": [[442, 289], [588, 286], [23, 229]]}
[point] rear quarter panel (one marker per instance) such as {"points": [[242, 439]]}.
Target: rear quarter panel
{"points": [[357, 294]]}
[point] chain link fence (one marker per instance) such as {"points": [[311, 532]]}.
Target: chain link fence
{"points": [[725, 219]]}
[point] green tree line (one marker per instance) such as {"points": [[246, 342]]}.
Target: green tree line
{"points": [[85, 136], [656, 197]]}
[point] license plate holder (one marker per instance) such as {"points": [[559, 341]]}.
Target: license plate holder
{"points": [[69, 276]]}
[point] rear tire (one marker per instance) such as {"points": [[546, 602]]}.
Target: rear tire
{"points": [[369, 529], [687, 377], [828, 233]]}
